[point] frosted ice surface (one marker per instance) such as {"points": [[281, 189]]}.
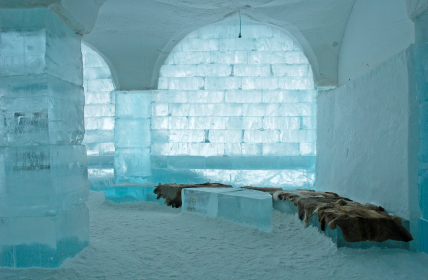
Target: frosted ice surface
{"points": [[248, 207], [252, 70], [260, 83], [203, 201]]}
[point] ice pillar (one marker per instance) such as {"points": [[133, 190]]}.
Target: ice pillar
{"points": [[43, 166], [132, 136], [421, 61]]}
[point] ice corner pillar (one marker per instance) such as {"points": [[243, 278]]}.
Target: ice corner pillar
{"points": [[43, 166]]}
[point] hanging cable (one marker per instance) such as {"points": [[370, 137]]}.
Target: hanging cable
{"points": [[240, 24]]}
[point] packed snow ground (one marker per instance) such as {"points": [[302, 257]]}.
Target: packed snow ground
{"points": [[149, 241]]}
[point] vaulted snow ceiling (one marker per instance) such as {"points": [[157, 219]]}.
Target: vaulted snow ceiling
{"points": [[136, 36]]}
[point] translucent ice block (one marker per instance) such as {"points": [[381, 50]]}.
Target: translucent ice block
{"points": [[297, 70], [248, 207], [206, 96], [99, 179], [207, 122], [40, 109], [187, 136], [130, 192], [99, 85], [203, 201], [228, 57], [225, 136], [133, 105], [213, 70], [42, 178], [43, 240], [258, 136], [260, 83], [132, 162], [178, 71], [199, 57], [240, 96], [132, 133], [196, 44], [246, 70], [289, 149], [104, 110], [37, 45], [219, 83]]}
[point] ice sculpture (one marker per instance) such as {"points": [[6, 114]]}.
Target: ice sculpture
{"points": [[99, 119], [235, 111], [43, 166]]}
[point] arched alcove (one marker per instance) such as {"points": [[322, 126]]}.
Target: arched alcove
{"points": [[235, 110], [99, 118]]}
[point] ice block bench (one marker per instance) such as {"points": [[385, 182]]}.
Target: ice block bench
{"points": [[131, 192], [347, 223], [247, 207]]}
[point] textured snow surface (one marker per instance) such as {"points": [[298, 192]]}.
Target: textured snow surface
{"points": [[148, 241]]}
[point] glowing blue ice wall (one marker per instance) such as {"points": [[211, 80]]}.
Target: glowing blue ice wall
{"points": [[421, 61], [239, 111], [99, 119], [43, 167]]}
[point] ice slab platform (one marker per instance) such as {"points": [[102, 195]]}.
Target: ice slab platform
{"points": [[336, 234], [242, 206], [131, 192]]}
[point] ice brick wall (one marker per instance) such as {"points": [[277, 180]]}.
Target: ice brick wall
{"points": [[132, 136], [43, 166], [99, 119], [235, 110]]}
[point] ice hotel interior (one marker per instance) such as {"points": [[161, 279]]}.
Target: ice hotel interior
{"points": [[290, 138]]}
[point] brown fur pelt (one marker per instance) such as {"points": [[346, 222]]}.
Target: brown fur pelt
{"points": [[268, 190], [358, 222], [172, 192]]}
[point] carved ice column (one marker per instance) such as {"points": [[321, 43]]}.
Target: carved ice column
{"points": [[43, 166]]}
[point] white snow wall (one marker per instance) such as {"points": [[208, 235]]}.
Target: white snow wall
{"points": [[239, 111], [99, 119], [368, 138]]}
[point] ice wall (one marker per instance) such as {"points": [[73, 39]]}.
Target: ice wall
{"points": [[367, 138], [99, 119], [421, 61], [43, 167], [239, 111]]}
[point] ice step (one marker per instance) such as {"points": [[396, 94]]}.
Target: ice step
{"points": [[247, 207], [131, 192], [336, 234]]}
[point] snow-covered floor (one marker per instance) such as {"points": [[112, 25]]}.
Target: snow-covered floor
{"points": [[148, 241]]}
